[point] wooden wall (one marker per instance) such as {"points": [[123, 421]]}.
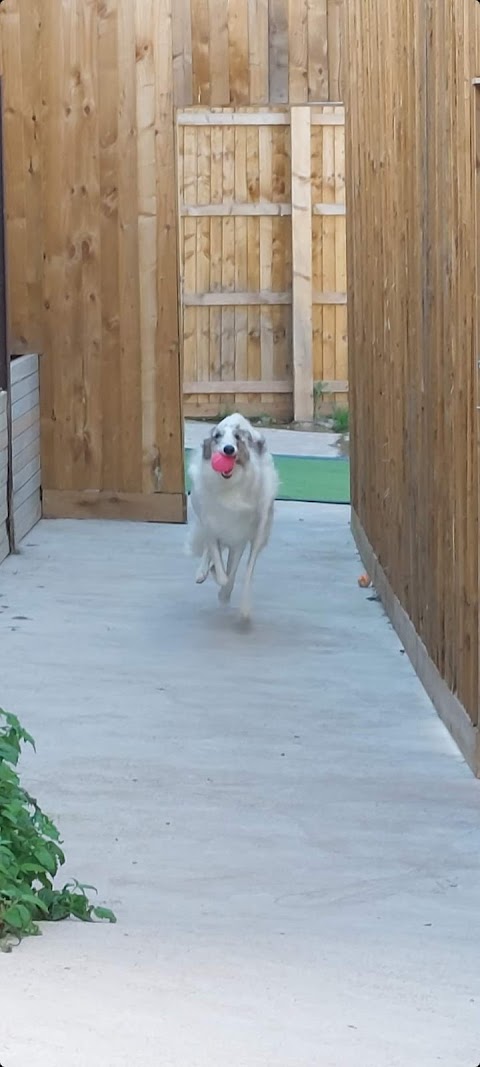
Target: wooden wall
{"points": [[4, 539], [91, 230], [244, 52], [260, 190], [90, 92], [26, 468], [412, 284]]}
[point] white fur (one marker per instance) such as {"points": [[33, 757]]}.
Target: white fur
{"points": [[231, 513]]}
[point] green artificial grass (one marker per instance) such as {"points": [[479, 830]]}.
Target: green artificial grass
{"points": [[311, 478]]}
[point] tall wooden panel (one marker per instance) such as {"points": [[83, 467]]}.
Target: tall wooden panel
{"points": [[245, 52], [92, 221], [258, 189], [91, 226], [413, 359]]}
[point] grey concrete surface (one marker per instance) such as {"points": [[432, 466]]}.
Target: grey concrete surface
{"points": [[284, 828]]}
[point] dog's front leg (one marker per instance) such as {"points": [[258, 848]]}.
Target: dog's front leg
{"points": [[246, 602], [258, 543], [204, 568], [216, 558], [233, 563]]}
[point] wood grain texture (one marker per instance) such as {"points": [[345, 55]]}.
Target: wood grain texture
{"points": [[412, 284], [133, 507], [447, 704], [245, 52], [91, 219], [4, 539], [238, 312], [302, 264], [236, 302], [182, 53], [26, 463], [278, 51], [298, 51]]}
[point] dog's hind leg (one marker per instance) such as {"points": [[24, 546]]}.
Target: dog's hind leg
{"points": [[233, 562]]}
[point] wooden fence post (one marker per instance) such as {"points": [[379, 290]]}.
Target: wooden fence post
{"points": [[302, 295]]}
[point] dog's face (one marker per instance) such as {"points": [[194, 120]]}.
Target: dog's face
{"points": [[235, 438]]}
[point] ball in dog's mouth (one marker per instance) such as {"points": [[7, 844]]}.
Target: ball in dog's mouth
{"points": [[223, 464]]}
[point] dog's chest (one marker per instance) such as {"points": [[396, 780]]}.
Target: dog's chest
{"points": [[232, 520]]}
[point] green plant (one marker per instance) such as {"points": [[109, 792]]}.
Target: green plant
{"points": [[30, 854], [318, 395], [340, 420]]}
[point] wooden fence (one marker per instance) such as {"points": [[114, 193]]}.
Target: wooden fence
{"points": [[246, 52], [262, 259], [414, 304], [90, 96]]}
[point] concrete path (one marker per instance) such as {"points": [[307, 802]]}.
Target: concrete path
{"points": [[280, 442], [287, 833]]}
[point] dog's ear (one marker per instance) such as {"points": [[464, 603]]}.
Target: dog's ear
{"points": [[207, 448], [260, 444]]}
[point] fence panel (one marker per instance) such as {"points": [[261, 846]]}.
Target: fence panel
{"points": [[253, 335]]}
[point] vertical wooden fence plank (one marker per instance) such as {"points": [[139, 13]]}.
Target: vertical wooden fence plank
{"points": [[298, 51], [238, 52], [476, 424], [182, 53], [147, 230], [109, 241], [335, 50], [87, 412], [200, 51], [278, 51], [241, 253], [266, 242], [129, 364], [258, 50], [30, 42], [219, 56], [228, 256], [15, 175], [167, 472], [318, 49], [302, 264]]}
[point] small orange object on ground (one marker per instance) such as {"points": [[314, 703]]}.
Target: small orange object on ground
{"points": [[364, 581]]}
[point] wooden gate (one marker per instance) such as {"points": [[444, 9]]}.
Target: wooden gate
{"points": [[262, 259]]}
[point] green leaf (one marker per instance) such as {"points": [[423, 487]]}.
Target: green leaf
{"points": [[105, 913], [32, 901], [7, 775], [79, 907], [18, 916], [9, 752], [30, 854], [78, 886], [17, 728], [47, 861]]}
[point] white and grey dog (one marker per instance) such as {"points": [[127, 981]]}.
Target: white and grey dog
{"points": [[232, 510]]}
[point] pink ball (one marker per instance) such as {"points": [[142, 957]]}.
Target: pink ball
{"points": [[222, 464]]}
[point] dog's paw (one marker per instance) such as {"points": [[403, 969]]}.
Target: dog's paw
{"points": [[224, 595]]}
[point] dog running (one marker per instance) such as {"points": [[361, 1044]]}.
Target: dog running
{"points": [[233, 488]]}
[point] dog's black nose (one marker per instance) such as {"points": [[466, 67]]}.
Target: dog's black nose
{"points": [[228, 450]]}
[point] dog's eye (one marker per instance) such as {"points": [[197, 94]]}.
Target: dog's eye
{"points": [[238, 436], [217, 436]]}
